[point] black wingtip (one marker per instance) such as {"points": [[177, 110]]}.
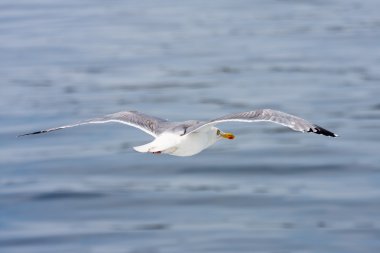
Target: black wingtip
{"points": [[38, 132], [320, 130]]}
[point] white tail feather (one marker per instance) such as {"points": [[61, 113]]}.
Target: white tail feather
{"points": [[160, 144], [144, 148]]}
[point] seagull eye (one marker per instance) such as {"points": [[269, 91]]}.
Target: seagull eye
{"points": [[218, 132]]}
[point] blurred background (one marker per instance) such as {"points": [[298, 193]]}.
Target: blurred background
{"points": [[270, 190]]}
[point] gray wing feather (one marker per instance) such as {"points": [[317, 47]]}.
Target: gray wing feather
{"points": [[149, 124], [288, 120]]}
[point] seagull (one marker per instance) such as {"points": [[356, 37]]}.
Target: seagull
{"points": [[190, 137]]}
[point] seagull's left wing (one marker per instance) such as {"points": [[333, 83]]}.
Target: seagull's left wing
{"points": [[149, 124], [291, 121]]}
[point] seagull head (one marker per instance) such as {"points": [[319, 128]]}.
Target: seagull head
{"points": [[222, 134]]}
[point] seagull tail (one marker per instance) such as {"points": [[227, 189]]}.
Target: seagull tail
{"points": [[144, 148], [160, 144], [149, 147]]}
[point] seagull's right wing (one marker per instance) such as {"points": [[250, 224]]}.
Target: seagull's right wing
{"points": [[149, 124], [288, 120]]}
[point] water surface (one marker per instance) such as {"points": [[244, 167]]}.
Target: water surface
{"points": [[270, 190]]}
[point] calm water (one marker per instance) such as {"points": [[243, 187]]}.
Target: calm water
{"points": [[270, 190]]}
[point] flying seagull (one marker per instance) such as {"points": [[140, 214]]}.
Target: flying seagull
{"points": [[190, 137]]}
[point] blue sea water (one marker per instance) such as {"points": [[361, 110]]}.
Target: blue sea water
{"points": [[270, 190]]}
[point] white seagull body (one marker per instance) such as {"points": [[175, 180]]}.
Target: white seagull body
{"points": [[191, 137], [181, 145]]}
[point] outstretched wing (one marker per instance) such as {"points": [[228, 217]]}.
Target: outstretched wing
{"points": [[293, 122], [149, 124]]}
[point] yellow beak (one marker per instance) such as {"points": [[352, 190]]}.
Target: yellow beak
{"points": [[229, 136]]}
